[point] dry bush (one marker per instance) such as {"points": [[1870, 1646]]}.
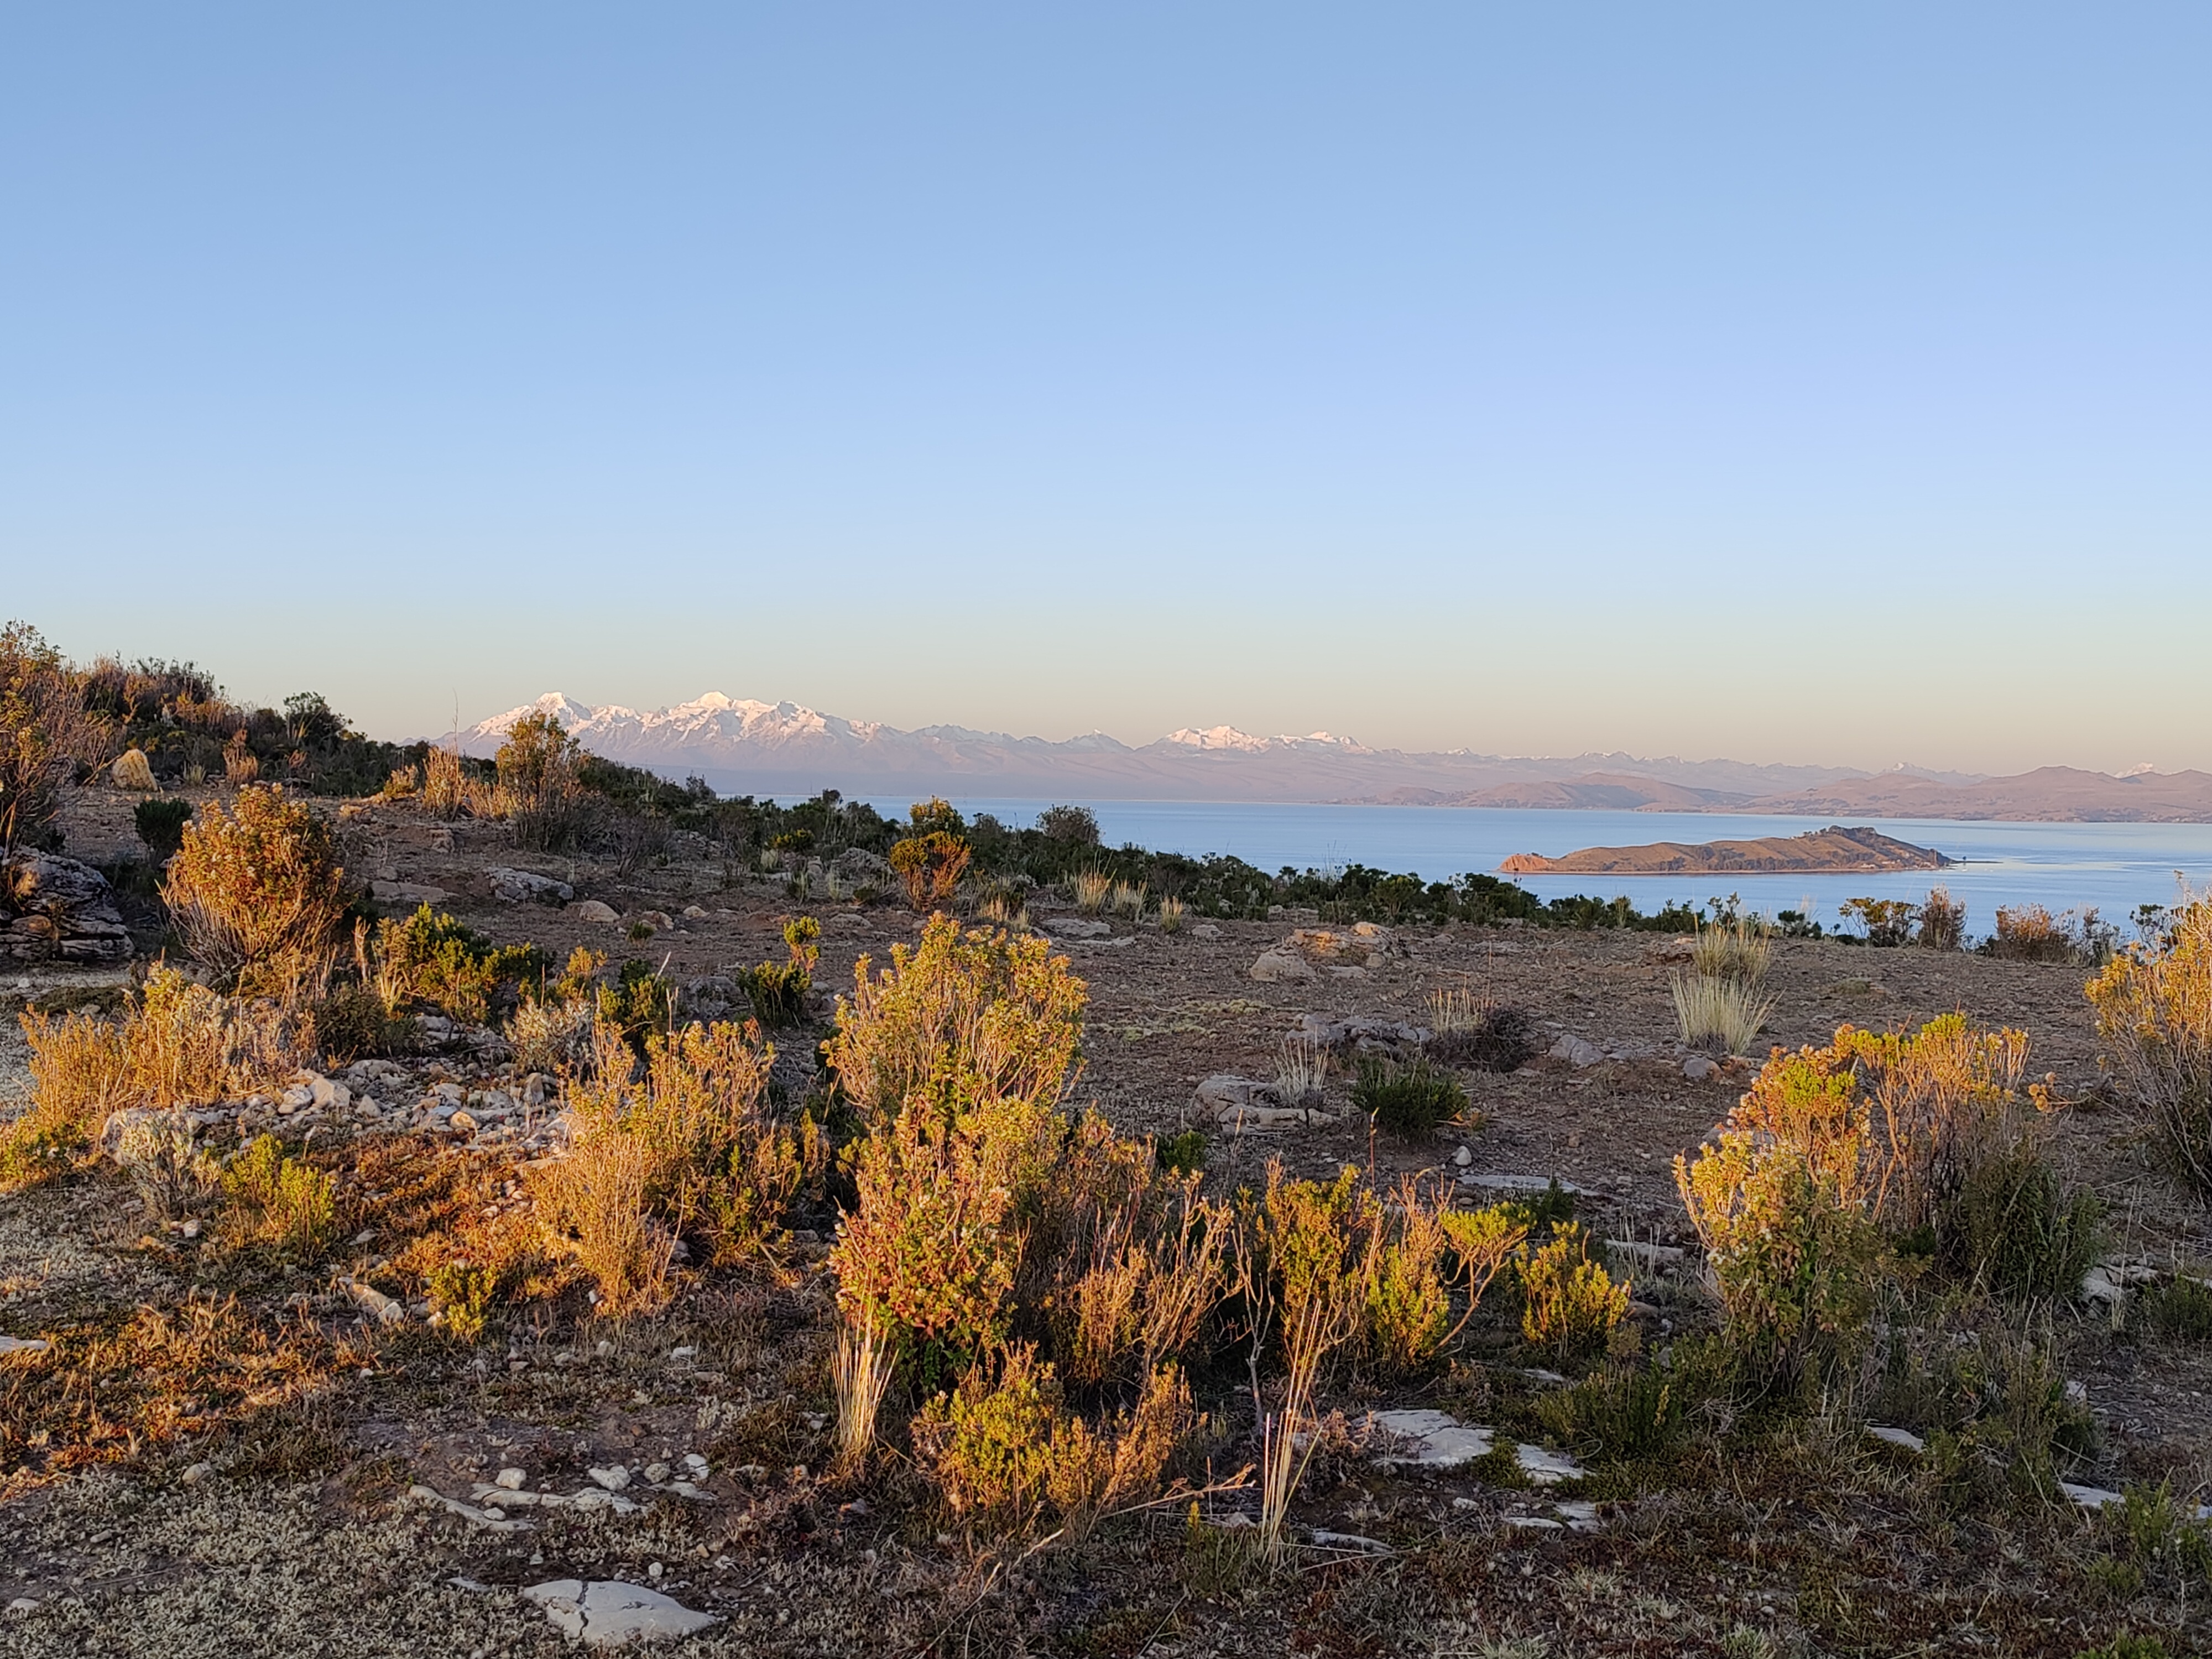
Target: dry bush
{"points": [[961, 1017], [177, 1045], [1302, 1068], [1945, 1102], [1943, 921], [256, 894], [47, 736], [1127, 899], [685, 1143], [1720, 1015], [551, 1034], [931, 867], [240, 765], [2154, 1004], [859, 1375], [1888, 922], [1170, 914], [445, 789], [1091, 889], [2030, 932]]}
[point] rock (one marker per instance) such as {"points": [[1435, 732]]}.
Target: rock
{"points": [[509, 1480], [381, 1308], [1699, 1067], [606, 1611], [527, 886], [1647, 1255], [1326, 1540], [1374, 931], [464, 1121], [468, 1512], [656, 1473], [2090, 1497], [1905, 1438], [197, 1473], [1074, 927], [321, 1091], [659, 920], [697, 1464], [1547, 1468], [1277, 967], [1579, 1514], [1463, 1157], [696, 913], [1366, 1032], [131, 771], [1439, 1440], [1515, 1184], [56, 907], [861, 868], [12, 1345], [1243, 1102], [1203, 930], [407, 892], [595, 910], [22, 1604], [1578, 1052], [614, 1477]]}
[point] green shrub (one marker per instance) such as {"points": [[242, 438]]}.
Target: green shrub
{"points": [[432, 957], [1888, 922], [778, 989], [282, 1201], [2154, 1004], [160, 825], [1410, 1101], [351, 1021], [1181, 1154], [1570, 1305], [2014, 1227], [930, 864], [1631, 1410], [2126, 1645], [2181, 1309], [640, 1001]]}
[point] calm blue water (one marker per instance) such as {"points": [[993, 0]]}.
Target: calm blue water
{"points": [[2112, 866]]}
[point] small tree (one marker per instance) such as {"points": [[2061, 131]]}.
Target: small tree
{"points": [[931, 865], [539, 761], [256, 894]]}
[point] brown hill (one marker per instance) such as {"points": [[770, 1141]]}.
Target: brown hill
{"points": [[1835, 849], [2050, 794], [1616, 790]]}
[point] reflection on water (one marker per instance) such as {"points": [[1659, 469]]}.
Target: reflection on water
{"points": [[2112, 866]]}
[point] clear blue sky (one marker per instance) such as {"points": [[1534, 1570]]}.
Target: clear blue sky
{"points": [[1794, 383]]}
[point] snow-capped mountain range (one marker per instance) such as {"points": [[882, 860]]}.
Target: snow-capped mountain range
{"points": [[785, 749]]}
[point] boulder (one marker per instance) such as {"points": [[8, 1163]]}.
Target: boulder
{"points": [[595, 910], [1074, 927], [606, 1612], [1699, 1067], [527, 886], [1243, 1102], [1279, 966], [131, 771], [659, 920], [1366, 1032], [56, 907], [1204, 930], [407, 892], [1579, 1052]]}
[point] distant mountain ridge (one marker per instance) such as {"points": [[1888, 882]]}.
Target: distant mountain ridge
{"points": [[785, 749]]}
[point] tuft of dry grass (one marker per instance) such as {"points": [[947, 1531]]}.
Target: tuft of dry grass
{"points": [[1742, 950], [1170, 914], [1719, 1014], [1090, 889]]}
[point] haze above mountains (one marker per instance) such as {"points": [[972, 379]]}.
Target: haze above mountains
{"points": [[786, 750]]}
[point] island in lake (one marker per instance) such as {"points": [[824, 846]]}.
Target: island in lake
{"points": [[1834, 850]]}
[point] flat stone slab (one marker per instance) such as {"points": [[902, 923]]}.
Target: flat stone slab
{"points": [[606, 1612], [1440, 1441], [1518, 1183]]}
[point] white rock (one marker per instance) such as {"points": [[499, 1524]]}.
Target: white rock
{"points": [[696, 913], [489, 1519], [407, 892], [1276, 967], [1647, 1255], [1074, 927], [614, 1477], [23, 1344], [1580, 1514], [1204, 930], [1699, 1067], [521, 886], [22, 1604], [197, 1473], [382, 1308], [1349, 1540], [1462, 1158], [593, 910], [1896, 1436], [509, 1480], [1514, 1183], [1547, 1468], [1535, 1522], [2090, 1497], [697, 1464], [606, 1612], [656, 1473], [1440, 1440], [1578, 1052]]}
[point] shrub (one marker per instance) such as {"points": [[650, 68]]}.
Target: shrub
{"points": [[2181, 1309], [1497, 1038], [47, 736], [1076, 826], [432, 957], [351, 1021], [462, 1295], [256, 893], [1632, 1410], [1888, 922], [778, 990], [637, 1004], [2153, 1005], [1410, 1102], [931, 867], [1568, 1304], [549, 1034], [1181, 1154], [1943, 921], [282, 1201], [2014, 1226], [973, 1017], [160, 825], [1721, 1015], [2029, 932], [936, 817], [178, 1044], [538, 761], [1302, 1067], [685, 1143], [1006, 1450]]}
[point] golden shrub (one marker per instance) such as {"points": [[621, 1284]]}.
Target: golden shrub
{"points": [[257, 894], [930, 865], [2153, 1005], [1569, 1304]]}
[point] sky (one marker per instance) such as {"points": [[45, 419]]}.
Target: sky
{"points": [[1788, 383]]}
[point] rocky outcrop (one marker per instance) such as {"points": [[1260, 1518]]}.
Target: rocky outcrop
{"points": [[1834, 850], [55, 907]]}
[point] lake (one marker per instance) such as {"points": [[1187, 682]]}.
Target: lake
{"points": [[2113, 866]]}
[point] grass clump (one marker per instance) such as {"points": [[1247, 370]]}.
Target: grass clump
{"points": [[2153, 1005], [1943, 921], [1410, 1101], [1170, 914], [1723, 1016], [2180, 1308], [257, 893], [1471, 1032]]}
